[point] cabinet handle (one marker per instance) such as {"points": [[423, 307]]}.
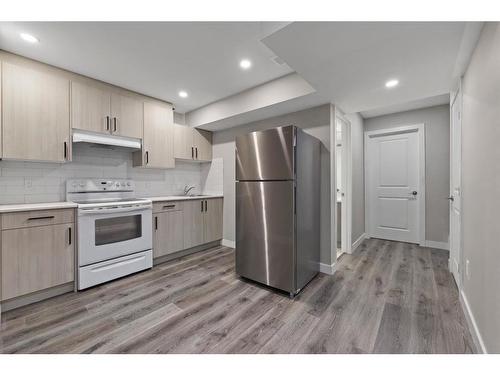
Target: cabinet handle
{"points": [[69, 236], [114, 124], [147, 157], [156, 222], [192, 152], [107, 123], [196, 153], [41, 217], [201, 206], [169, 206], [206, 206], [65, 150]]}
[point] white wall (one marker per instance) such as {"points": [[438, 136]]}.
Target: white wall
{"points": [[316, 121], [29, 182], [481, 185], [437, 162], [358, 177]]}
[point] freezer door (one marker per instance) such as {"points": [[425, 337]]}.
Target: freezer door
{"points": [[265, 233], [265, 155]]}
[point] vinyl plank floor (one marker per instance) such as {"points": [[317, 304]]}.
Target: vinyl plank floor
{"points": [[387, 297]]}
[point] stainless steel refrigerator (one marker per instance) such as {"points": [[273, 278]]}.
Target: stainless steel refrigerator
{"points": [[278, 207]]}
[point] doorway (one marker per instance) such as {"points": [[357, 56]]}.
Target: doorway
{"points": [[395, 184], [455, 186], [342, 185]]}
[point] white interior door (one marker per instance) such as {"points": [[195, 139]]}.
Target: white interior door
{"points": [[455, 187], [394, 185]]}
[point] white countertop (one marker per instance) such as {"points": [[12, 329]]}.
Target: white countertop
{"points": [[183, 197], [4, 208]]}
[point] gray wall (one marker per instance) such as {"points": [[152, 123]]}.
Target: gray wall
{"points": [[358, 175], [481, 184], [437, 162], [316, 121]]}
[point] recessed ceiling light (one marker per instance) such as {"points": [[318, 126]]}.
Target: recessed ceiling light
{"points": [[29, 38], [392, 83], [183, 94], [245, 64]]}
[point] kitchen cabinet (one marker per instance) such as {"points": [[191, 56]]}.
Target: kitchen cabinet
{"points": [[168, 235], [35, 115], [158, 137], [212, 221], [192, 144], [100, 110], [193, 223], [36, 257]]}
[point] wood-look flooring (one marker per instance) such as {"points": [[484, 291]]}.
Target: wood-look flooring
{"points": [[387, 297]]}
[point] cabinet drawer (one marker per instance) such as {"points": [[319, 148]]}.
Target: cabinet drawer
{"points": [[168, 206], [27, 219]]}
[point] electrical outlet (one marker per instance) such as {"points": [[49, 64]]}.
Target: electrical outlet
{"points": [[467, 269]]}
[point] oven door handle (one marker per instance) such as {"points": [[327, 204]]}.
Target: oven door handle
{"points": [[105, 211]]}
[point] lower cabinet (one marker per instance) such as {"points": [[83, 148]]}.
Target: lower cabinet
{"points": [[182, 225], [168, 236], [36, 258]]}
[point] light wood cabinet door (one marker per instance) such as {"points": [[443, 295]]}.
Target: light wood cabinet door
{"points": [[158, 140], [212, 221], [183, 142], [202, 141], [168, 233], [90, 108], [35, 115], [36, 258], [193, 223], [126, 116]]}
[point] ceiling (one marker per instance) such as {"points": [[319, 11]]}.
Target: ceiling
{"points": [[348, 63], [155, 58]]}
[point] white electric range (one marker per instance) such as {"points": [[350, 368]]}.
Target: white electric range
{"points": [[114, 230]]}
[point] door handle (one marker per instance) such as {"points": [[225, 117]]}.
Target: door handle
{"points": [[192, 152], [65, 150], [414, 193], [107, 123], [156, 222], [147, 157], [206, 208], [451, 198], [201, 206], [114, 124], [196, 148], [69, 236]]}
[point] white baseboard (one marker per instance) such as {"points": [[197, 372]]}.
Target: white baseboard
{"points": [[228, 243], [437, 245], [358, 242], [474, 330], [328, 269]]}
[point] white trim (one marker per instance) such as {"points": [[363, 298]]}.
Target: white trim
{"points": [[328, 269], [471, 322], [358, 242], [228, 243], [420, 128], [437, 245]]}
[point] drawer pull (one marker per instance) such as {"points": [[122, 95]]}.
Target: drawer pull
{"points": [[69, 236], [169, 206], [41, 218]]}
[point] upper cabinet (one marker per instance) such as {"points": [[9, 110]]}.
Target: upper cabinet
{"points": [[103, 111], [192, 144], [158, 137], [35, 114]]}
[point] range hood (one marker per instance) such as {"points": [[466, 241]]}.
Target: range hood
{"points": [[105, 139]]}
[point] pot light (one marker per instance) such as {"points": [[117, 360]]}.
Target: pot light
{"points": [[183, 94], [245, 64], [29, 38], [392, 83]]}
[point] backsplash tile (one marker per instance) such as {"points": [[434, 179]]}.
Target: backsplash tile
{"points": [[31, 182]]}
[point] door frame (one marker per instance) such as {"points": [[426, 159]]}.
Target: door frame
{"points": [[453, 97], [420, 129], [346, 230]]}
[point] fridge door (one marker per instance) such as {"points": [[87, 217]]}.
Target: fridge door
{"points": [[265, 233], [266, 155]]}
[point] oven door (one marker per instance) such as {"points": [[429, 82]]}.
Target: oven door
{"points": [[108, 233]]}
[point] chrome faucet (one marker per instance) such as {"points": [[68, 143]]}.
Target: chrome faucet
{"points": [[188, 188]]}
